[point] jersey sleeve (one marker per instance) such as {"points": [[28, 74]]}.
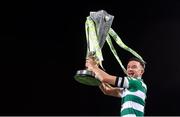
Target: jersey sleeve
{"points": [[122, 82], [130, 83]]}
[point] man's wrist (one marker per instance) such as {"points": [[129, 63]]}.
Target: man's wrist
{"points": [[94, 68]]}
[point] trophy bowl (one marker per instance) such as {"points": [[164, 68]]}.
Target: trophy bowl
{"points": [[87, 77]]}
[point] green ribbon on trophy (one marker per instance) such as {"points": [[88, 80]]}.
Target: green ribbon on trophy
{"points": [[98, 30], [122, 45]]}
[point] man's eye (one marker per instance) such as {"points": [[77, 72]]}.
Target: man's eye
{"points": [[134, 66]]}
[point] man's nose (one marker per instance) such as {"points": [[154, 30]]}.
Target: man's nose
{"points": [[129, 69]]}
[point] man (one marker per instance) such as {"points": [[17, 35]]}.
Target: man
{"points": [[131, 88]]}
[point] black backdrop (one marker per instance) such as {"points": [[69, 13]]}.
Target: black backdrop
{"points": [[43, 45]]}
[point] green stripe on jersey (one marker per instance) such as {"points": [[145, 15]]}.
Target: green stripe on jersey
{"points": [[134, 99]]}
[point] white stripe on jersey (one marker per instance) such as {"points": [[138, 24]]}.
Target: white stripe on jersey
{"points": [[134, 105], [137, 93], [129, 115]]}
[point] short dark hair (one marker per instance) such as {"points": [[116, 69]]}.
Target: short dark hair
{"points": [[138, 60]]}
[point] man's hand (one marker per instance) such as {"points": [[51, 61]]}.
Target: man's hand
{"points": [[109, 90], [91, 63]]}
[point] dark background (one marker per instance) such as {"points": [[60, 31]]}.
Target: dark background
{"points": [[42, 45]]}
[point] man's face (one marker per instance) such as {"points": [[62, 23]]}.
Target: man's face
{"points": [[134, 69]]}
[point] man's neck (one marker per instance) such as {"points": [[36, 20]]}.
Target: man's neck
{"points": [[138, 77]]}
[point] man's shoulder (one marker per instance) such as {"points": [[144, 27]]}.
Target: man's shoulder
{"points": [[137, 83]]}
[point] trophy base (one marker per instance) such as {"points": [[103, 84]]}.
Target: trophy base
{"points": [[87, 77]]}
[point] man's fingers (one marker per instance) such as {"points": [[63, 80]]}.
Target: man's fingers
{"points": [[108, 85], [109, 90], [91, 60], [100, 86], [103, 88]]}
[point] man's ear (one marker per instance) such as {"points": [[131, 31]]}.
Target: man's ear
{"points": [[142, 71]]}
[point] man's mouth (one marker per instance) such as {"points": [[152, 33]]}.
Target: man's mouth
{"points": [[131, 74]]}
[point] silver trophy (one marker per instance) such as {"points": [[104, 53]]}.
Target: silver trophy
{"points": [[102, 23]]}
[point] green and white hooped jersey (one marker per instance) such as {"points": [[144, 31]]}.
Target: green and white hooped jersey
{"points": [[133, 96]]}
